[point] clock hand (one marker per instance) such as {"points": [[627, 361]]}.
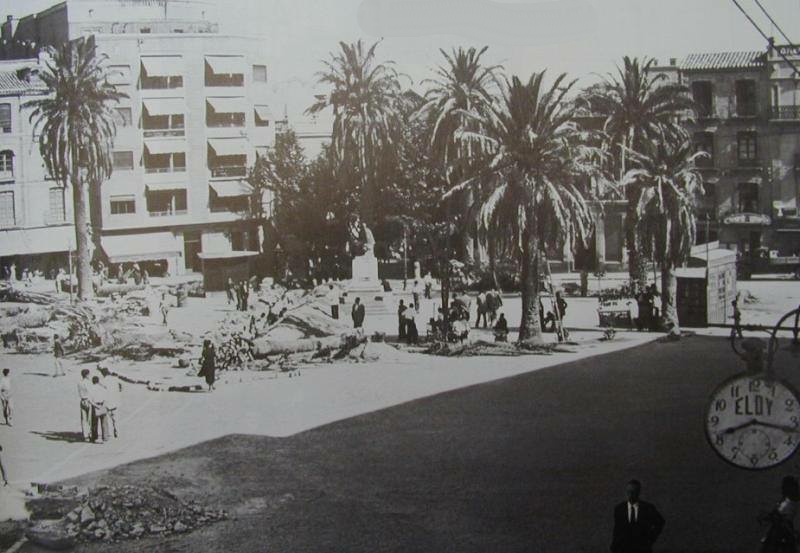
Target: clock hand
{"points": [[733, 429], [777, 426]]}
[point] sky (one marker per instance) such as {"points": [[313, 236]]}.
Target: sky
{"points": [[584, 38]]}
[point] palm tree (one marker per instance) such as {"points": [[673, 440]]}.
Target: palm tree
{"points": [[365, 99], [538, 176], [75, 128], [463, 85], [639, 105], [669, 184]]}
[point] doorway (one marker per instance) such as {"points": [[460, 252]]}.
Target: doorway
{"points": [[192, 246]]}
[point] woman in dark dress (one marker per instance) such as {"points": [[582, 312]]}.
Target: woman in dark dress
{"points": [[208, 363]]}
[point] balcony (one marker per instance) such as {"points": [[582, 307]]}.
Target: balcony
{"points": [[167, 213], [228, 171], [785, 113], [162, 170], [153, 133]]}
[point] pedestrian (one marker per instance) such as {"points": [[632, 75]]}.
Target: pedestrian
{"points": [[501, 329], [358, 313], [482, 310], [780, 536], [412, 333], [637, 524], [113, 400], [145, 276], [58, 353], [85, 405], [59, 279], [428, 285], [97, 399], [229, 290], [645, 311], [208, 364], [737, 318], [163, 308], [401, 320], [5, 395], [3, 470], [416, 292], [245, 295]]}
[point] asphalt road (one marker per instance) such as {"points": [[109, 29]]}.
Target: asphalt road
{"points": [[532, 463]]}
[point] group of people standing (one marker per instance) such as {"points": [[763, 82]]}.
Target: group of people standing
{"points": [[239, 291], [99, 401], [648, 312], [488, 304]]}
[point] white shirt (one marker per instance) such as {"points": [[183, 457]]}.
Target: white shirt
{"points": [[633, 511], [5, 386], [97, 394], [83, 388]]}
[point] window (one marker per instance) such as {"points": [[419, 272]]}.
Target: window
{"points": [[160, 72], [260, 73], [166, 202], [119, 74], [122, 205], [704, 142], [163, 125], [7, 218], [223, 118], [748, 197], [5, 118], [6, 164], [122, 161], [145, 30], [123, 117], [747, 148], [702, 94], [57, 211], [262, 116], [165, 163], [746, 98], [225, 71]]}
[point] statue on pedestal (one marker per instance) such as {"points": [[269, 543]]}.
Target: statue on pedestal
{"points": [[362, 247]]}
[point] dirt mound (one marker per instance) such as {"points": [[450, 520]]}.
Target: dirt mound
{"points": [[117, 513], [481, 347]]}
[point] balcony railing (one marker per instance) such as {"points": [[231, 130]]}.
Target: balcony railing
{"points": [[168, 212], [164, 169], [164, 132], [785, 113], [229, 171]]}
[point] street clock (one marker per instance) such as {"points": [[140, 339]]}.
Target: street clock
{"points": [[753, 421]]}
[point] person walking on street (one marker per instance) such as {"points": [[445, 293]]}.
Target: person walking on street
{"points": [[58, 354], [5, 395], [163, 308], [401, 320], [737, 318], [415, 294], [97, 398], [113, 396], [781, 536], [358, 313], [637, 524], [229, 290], [482, 310], [208, 364], [412, 333], [428, 285], [85, 405]]}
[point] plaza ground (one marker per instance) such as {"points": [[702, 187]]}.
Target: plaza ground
{"points": [[534, 462]]}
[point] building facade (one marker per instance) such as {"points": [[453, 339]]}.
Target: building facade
{"points": [[748, 122], [196, 114], [35, 211]]}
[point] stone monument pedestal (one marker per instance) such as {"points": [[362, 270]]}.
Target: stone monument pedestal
{"points": [[366, 285]]}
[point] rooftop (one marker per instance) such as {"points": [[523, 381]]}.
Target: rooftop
{"points": [[11, 84], [723, 60]]}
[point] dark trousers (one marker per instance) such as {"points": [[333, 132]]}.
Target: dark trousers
{"points": [[401, 324]]}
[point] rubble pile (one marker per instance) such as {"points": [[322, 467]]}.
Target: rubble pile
{"points": [[115, 513]]}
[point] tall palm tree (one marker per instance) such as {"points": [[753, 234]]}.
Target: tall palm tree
{"points": [[537, 173], [75, 128], [463, 85], [669, 184], [639, 105], [365, 99]]}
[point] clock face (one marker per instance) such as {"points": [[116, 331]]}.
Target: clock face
{"points": [[753, 422]]}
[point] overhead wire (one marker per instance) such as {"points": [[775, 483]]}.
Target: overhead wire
{"points": [[768, 39]]}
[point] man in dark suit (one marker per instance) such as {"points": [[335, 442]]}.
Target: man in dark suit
{"points": [[637, 524]]}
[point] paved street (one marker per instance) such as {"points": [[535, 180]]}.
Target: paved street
{"points": [[534, 462]]}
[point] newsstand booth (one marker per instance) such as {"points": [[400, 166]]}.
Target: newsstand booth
{"points": [[707, 286], [219, 267]]}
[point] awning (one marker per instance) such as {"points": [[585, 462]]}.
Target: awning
{"points": [[164, 146], [164, 106], [37, 240], [263, 113], [228, 105], [163, 66], [140, 247], [229, 146], [226, 65], [162, 186], [231, 188]]}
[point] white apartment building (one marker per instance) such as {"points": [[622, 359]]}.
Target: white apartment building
{"points": [[197, 113]]}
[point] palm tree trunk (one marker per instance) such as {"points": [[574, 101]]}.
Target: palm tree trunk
{"points": [[466, 235], [530, 328], [82, 238], [669, 309]]}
